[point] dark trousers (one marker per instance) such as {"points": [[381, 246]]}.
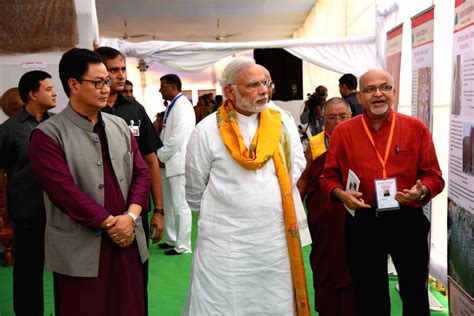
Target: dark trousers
{"points": [[28, 247], [146, 227], [404, 235]]}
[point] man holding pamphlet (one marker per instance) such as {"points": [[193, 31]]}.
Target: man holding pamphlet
{"points": [[394, 158]]}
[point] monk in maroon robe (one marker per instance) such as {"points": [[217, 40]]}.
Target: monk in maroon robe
{"points": [[332, 282]]}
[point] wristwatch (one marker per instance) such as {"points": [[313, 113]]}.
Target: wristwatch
{"points": [[423, 194], [159, 210], [134, 218]]}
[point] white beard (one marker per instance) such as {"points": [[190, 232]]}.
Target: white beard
{"points": [[250, 105], [379, 110]]}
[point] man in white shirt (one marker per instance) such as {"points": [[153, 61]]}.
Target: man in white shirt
{"points": [[178, 123], [241, 166]]}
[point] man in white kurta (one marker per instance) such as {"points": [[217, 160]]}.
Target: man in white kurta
{"points": [[241, 264], [178, 123]]}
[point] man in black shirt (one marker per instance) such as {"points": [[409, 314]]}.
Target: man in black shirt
{"points": [[347, 89], [24, 194], [148, 142]]}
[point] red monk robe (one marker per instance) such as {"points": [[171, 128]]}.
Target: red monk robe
{"points": [[334, 294]]}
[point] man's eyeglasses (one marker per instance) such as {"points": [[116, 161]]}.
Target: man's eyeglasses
{"points": [[254, 85], [99, 84], [332, 118], [372, 89]]}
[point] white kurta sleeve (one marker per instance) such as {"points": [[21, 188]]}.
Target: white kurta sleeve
{"points": [[297, 152], [299, 164], [198, 167], [299, 160]]}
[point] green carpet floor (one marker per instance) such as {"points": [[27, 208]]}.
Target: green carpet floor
{"points": [[168, 285]]}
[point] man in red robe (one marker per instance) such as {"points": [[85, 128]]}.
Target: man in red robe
{"points": [[393, 156], [96, 185], [333, 291]]}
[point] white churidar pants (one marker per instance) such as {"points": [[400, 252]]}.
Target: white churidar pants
{"points": [[177, 213]]}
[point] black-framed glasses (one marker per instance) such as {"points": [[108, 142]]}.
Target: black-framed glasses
{"points": [[372, 89], [99, 84], [254, 85], [332, 118]]}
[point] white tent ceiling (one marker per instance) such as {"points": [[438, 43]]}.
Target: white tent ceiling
{"points": [[182, 33], [195, 20]]}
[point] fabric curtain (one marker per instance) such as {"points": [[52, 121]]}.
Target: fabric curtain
{"points": [[342, 55]]}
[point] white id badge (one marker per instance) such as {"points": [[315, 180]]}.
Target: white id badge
{"points": [[135, 130], [385, 190]]}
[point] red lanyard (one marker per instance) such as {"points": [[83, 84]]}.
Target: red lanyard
{"points": [[383, 161]]}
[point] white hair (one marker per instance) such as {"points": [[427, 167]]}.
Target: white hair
{"points": [[336, 100], [234, 68], [266, 73]]}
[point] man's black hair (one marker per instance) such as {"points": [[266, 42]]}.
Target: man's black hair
{"points": [[75, 63], [30, 81], [108, 52], [349, 80], [172, 79]]}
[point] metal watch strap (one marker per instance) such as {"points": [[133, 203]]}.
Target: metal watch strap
{"points": [[133, 217], [423, 194]]}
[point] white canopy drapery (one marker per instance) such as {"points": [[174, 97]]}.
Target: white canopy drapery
{"points": [[354, 55], [344, 55]]}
